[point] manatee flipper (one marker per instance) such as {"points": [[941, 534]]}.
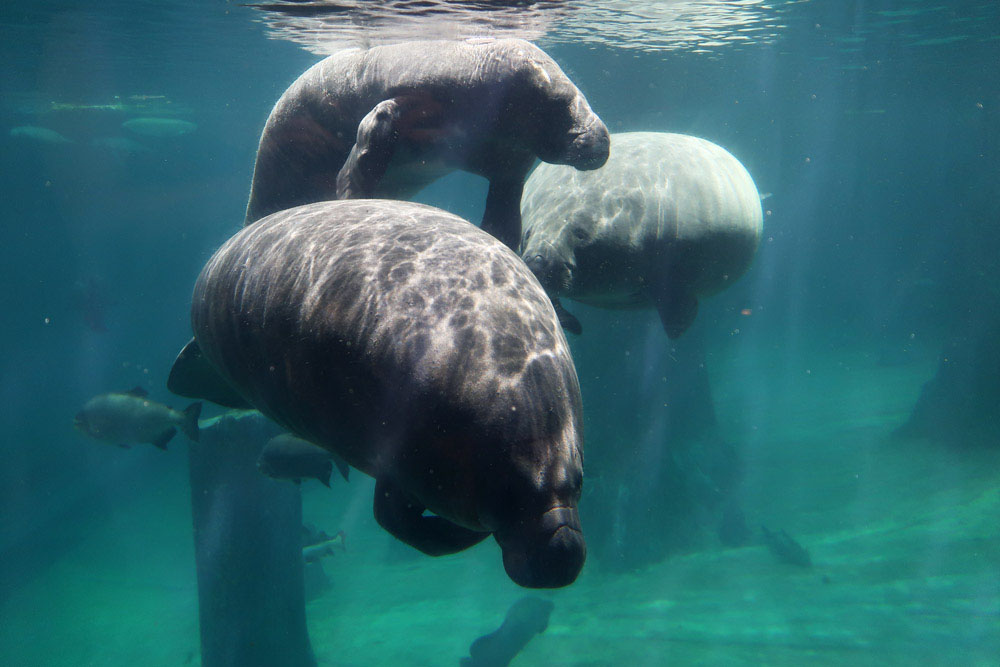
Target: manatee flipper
{"points": [[378, 133], [566, 318], [403, 517], [502, 215], [193, 377], [677, 309], [526, 618]]}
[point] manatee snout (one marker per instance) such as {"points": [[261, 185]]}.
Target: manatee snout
{"points": [[554, 274], [583, 142], [590, 146], [549, 554]]}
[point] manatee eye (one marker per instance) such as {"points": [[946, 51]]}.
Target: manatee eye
{"points": [[580, 226], [579, 233]]}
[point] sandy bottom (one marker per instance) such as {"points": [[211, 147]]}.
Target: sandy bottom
{"points": [[903, 536]]}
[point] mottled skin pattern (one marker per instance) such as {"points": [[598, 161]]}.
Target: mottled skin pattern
{"points": [[422, 351], [386, 121], [668, 220]]}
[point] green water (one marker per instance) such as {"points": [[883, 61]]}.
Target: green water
{"points": [[872, 127]]}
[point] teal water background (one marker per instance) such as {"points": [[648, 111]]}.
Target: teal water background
{"points": [[874, 127]]}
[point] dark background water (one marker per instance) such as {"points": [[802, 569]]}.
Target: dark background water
{"points": [[873, 126]]}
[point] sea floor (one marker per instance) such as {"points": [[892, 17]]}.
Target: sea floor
{"points": [[903, 536]]}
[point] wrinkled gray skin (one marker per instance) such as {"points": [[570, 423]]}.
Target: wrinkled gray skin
{"points": [[422, 351], [387, 121], [668, 220]]}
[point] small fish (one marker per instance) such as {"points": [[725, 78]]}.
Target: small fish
{"points": [[315, 552], [130, 417], [288, 457], [42, 135], [159, 127], [785, 549]]}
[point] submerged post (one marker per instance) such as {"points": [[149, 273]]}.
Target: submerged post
{"points": [[248, 551]]}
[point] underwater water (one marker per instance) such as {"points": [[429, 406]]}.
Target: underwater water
{"points": [[844, 390]]}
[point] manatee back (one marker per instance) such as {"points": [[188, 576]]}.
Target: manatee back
{"points": [[662, 202], [375, 316]]}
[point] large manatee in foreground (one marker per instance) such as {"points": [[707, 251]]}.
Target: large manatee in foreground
{"points": [[387, 121], [422, 351], [668, 219]]}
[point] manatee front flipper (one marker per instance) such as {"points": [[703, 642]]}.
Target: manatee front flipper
{"points": [[378, 133], [677, 309], [403, 517], [193, 377], [567, 319], [502, 215]]}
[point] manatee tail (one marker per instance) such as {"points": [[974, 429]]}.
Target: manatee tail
{"points": [[190, 423]]}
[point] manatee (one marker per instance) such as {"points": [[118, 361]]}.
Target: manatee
{"points": [[129, 417], [422, 351], [668, 220], [387, 121], [42, 135]]}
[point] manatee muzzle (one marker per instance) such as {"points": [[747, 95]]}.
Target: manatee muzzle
{"points": [[555, 275], [549, 554], [590, 147]]}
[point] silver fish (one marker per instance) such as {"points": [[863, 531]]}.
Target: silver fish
{"points": [[288, 457], [131, 417]]}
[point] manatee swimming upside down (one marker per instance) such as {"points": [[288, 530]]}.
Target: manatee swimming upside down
{"points": [[387, 121], [422, 351], [668, 220]]}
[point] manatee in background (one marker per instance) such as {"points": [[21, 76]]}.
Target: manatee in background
{"points": [[421, 350], [387, 121], [42, 135], [668, 220]]}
